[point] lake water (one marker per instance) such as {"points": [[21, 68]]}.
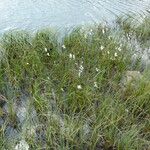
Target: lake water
{"points": [[34, 14]]}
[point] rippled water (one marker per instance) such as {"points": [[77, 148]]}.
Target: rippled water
{"points": [[32, 14]]}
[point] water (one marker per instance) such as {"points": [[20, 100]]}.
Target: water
{"points": [[34, 14]]}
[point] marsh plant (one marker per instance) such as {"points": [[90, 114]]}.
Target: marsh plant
{"points": [[76, 89]]}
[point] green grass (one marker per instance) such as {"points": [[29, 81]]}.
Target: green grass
{"points": [[75, 87], [141, 30]]}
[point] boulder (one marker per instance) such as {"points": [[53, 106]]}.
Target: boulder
{"points": [[130, 77]]}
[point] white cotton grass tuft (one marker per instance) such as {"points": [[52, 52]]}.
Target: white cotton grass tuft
{"points": [[81, 68], [103, 31], [97, 70], [22, 145], [119, 49], [108, 52], [45, 49], [48, 54], [62, 89], [79, 74], [71, 56], [102, 47], [90, 32], [79, 87], [63, 46], [95, 85], [115, 54], [126, 110]]}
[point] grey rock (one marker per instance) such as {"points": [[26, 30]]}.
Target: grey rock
{"points": [[11, 133], [21, 114], [130, 77], [22, 145]]}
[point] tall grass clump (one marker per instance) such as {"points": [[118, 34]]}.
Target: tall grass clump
{"points": [[139, 29], [76, 89]]}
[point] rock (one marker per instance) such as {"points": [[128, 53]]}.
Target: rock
{"points": [[22, 145], [24, 111], [11, 133], [130, 81], [86, 129], [40, 135], [131, 76], [145, 58], [21, 114], [30, 131]]}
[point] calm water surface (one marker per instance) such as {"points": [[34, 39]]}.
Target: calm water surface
{"points": [[33, 14]]}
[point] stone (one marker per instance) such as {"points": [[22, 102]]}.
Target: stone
{"points": [[131, 79], [24, 111], [131, 76], [11, 133], [22, 145], [21, 114], [30, 130]]}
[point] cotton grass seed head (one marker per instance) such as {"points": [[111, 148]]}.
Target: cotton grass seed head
{"points": [[115, 54], [102, 47], [91, 32], [62, 89], [119, 49], [48, 54], [79, 87], [45, 49], [79, 74], [63, 46], [103, 31], [81, 68], [95, 85], [71, 56], [97, 70]]}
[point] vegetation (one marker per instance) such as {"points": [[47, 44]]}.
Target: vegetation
{"points": [[77, 90], [141, 30]]}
